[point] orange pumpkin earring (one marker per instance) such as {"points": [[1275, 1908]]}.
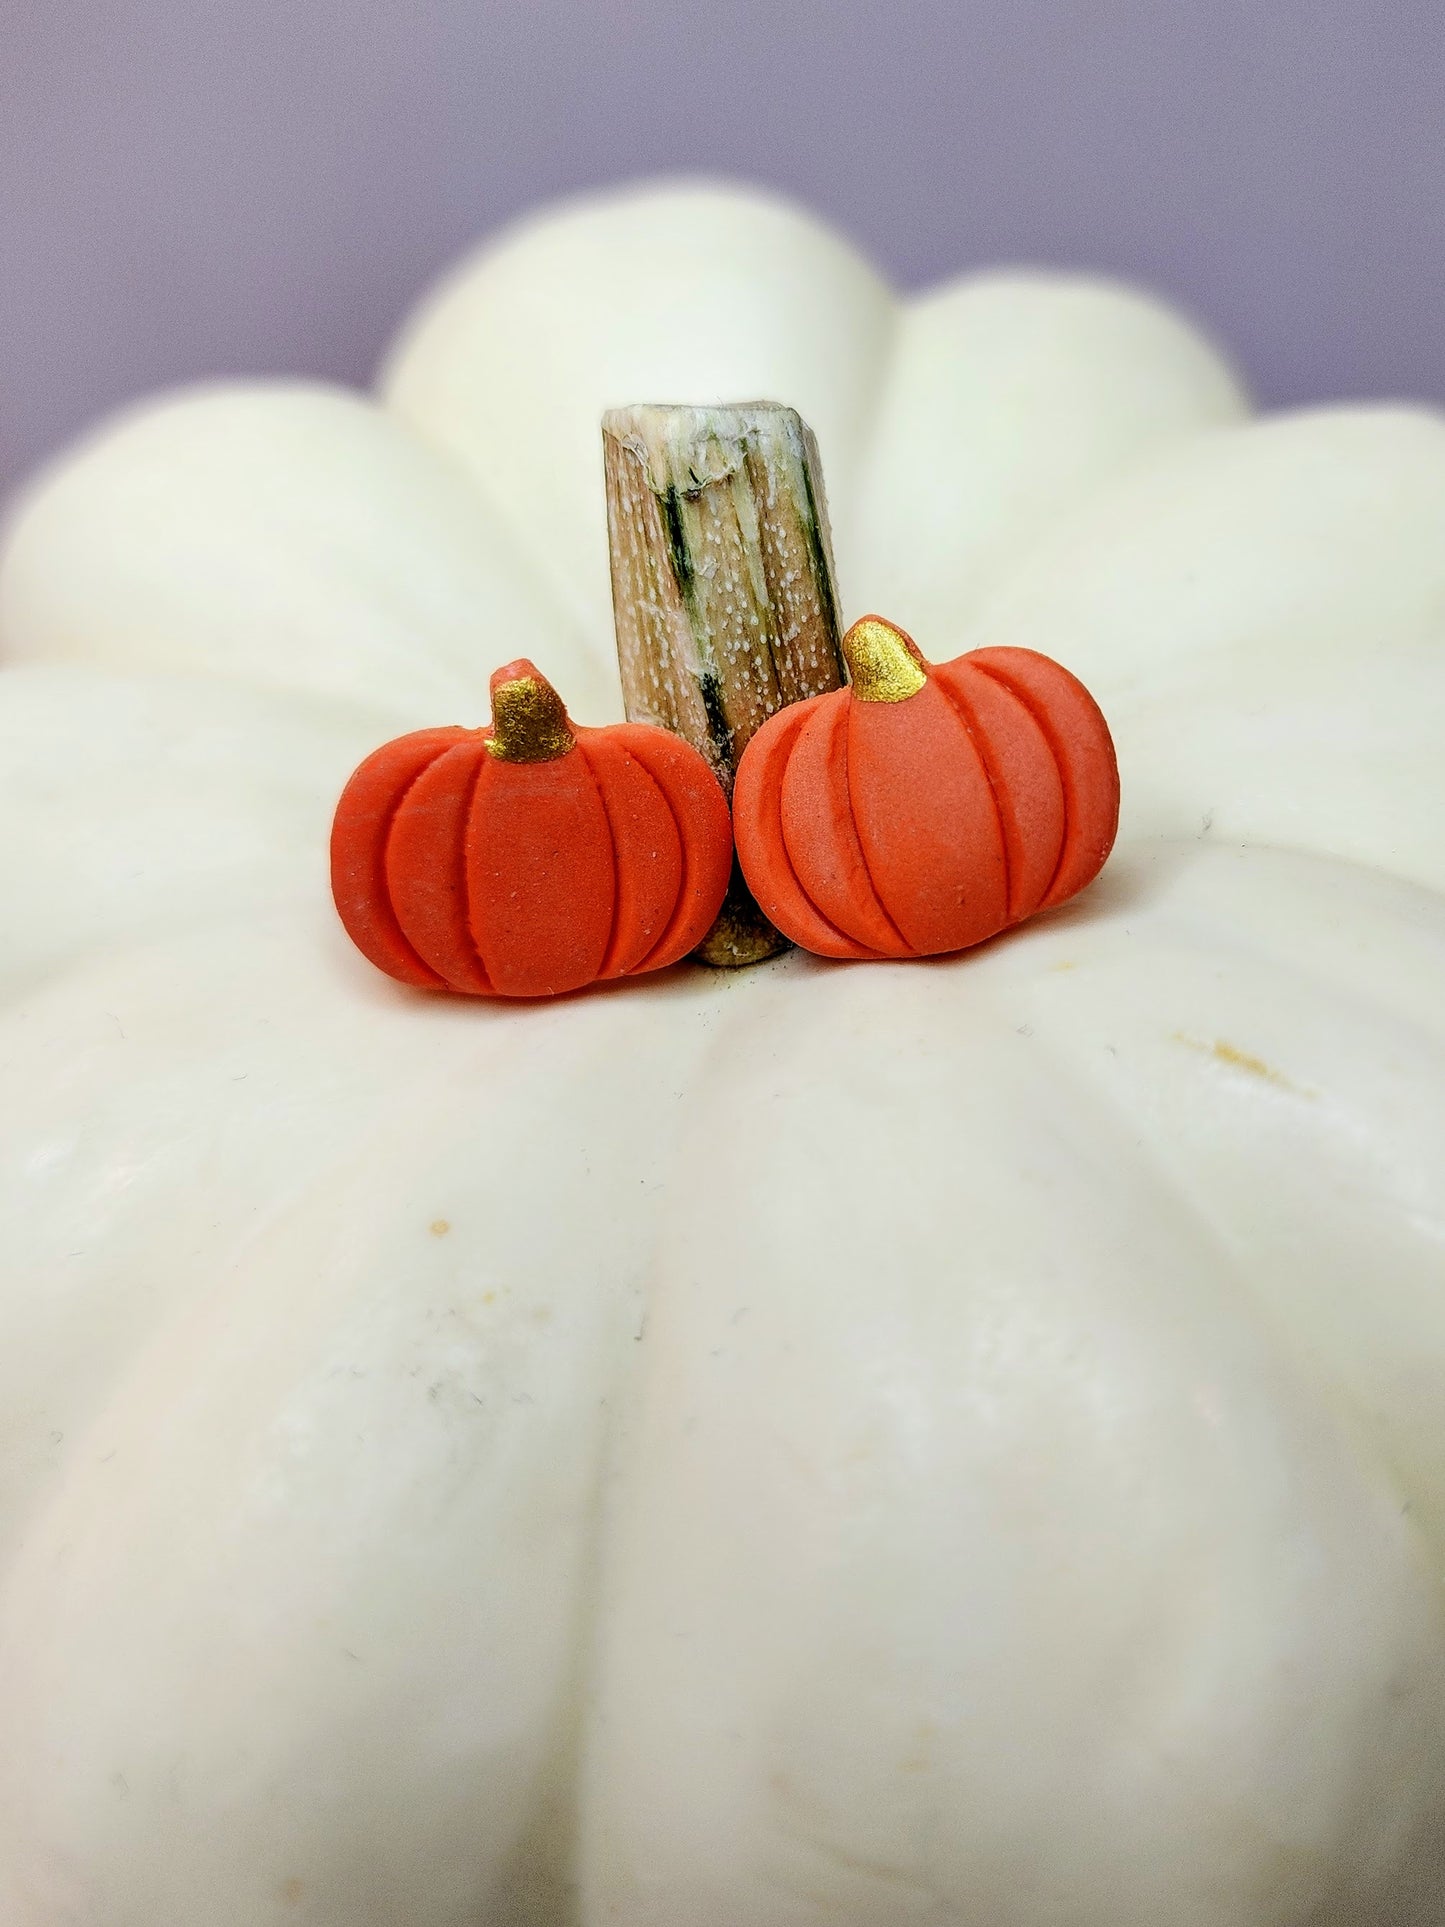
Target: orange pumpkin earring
{"points": [[927, 806], [531, 857]]}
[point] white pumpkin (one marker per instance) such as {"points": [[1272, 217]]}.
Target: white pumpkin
{"points": [[959, 1442]]}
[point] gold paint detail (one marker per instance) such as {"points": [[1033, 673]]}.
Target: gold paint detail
{"points": [[1243, 1060], [883, 664], [529, 723]]}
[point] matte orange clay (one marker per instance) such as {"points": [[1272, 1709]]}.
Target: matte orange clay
{"points": [[925, 807], [531, 857]]}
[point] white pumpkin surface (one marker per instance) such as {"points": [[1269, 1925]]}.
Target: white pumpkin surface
{"points": [[959, 1442]]}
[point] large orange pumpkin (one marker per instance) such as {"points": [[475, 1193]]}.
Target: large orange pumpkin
{"points": [[531, 857], [925, 807]]}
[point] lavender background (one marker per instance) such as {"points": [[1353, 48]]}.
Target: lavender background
{"points": [[191, 187]]}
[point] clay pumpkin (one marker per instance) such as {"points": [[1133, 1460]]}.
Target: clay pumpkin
{"points": [[531, 857], [925, 807]]}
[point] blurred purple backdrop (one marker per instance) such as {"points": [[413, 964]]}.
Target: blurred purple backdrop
{"points": [[203, 186]]}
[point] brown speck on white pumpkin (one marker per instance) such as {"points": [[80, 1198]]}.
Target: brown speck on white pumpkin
{"points": [[1242, 1060]]}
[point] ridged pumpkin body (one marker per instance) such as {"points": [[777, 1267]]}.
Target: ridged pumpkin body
{"points": [[455, 866], [911, 824]]}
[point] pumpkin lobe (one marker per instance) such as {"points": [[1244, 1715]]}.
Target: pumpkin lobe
{"points": [[359, 837], [1027, 789], [540, 875], [820, 836], [424, 871], [762, 848], [1083, 751], [927, 822], [648, 851], [700, 813]]}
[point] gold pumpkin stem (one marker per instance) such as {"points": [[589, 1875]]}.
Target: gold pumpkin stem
{"points": [[529, 720], [884, 664]]}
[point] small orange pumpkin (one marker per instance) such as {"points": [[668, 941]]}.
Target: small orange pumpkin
{"points": [[531, 857], [926, 806]]}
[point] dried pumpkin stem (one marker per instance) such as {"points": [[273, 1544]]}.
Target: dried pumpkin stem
{"points": [[722, 588]]}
